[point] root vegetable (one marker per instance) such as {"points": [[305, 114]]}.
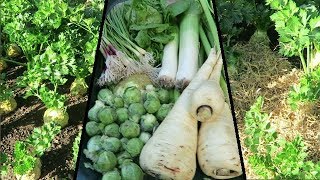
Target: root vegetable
{"points": [[34, 174], [169, 63], [60, 116], [8, 106], [3, 65], [79, 87], [217, 152], [171, 152], [218, 157]]}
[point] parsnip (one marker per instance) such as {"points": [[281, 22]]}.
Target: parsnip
{"points": [[217, 153], [171, 152]]}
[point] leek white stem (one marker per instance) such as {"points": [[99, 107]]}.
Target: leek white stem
{"points": [[169, 66], [188, 49]]}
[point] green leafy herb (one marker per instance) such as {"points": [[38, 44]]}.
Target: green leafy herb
{"points": [[273, 157]]}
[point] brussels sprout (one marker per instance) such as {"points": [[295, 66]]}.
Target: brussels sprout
{"points": [[131, 171], [136, 109], [93, 112], [134, 146], [112, 130], [148, 122], [107, 161], [163, 111], [152, 105], [8, 106], [164, 96], [59, 116], [106, 96], [3, 65], [110, 144], [93, 148], [123, 156], [118, 102], [132, 95], [112, 175], [130, 129], [107, 115], [94, 143], [79, 87], [123, 115], [124, 142], [144, 137], [94, 128], [14, 50], [135, 118], [174, 95]]}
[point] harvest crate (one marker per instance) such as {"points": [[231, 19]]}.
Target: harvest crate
{"points": [[88, 174]]}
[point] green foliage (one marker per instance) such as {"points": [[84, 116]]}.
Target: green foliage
{"points": [[298, 28], [273, 157], [75, 148], [26, 152], [308, 89], [5, 92], [58, 38]]}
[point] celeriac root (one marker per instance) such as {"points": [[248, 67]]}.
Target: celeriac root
{"points": [[171, 152], [218, 154]]}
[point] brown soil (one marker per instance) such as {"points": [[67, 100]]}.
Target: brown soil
{"points": [[57, 161], [263, 72]]}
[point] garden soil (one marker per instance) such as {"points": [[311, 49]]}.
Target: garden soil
{"points": [[18, 125], [262, 72]]}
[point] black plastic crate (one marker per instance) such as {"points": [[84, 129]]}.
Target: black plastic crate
{"points": [[88, 174]]}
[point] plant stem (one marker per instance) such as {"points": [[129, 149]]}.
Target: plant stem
{"points": [[303, 62], [14, 62], [211, 23], [204, 40]]}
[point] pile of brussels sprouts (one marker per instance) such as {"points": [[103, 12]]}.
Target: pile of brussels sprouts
{"points": [[120, 125]]}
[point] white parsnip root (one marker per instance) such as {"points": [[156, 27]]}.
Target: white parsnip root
{"points": [[171, 152], [217, 152]]}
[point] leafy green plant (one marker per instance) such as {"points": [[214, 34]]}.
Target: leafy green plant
{"points": [[58, 39], [26, 152], [308, 89], [273, 157], [75, 148], [299, 30]]}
